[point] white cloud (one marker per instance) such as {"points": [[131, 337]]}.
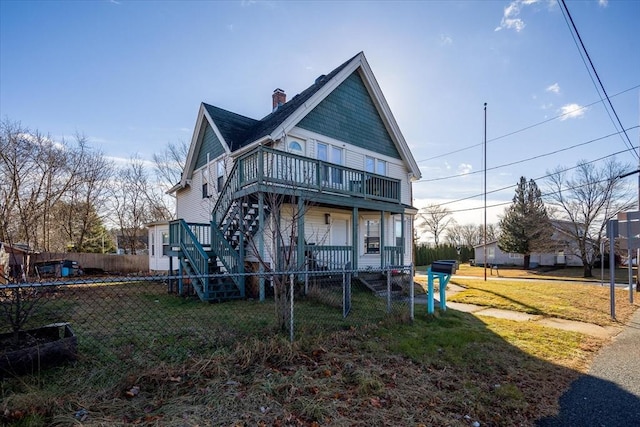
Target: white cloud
{"points": [[511, 16], [447, 166], [603, 3], [445, 40], [555, 88], [572, 111], [464, 168]]}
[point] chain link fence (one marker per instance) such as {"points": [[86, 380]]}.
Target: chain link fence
{"points": [[117, 318]]}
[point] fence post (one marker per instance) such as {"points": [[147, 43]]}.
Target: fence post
{"points": [[411, 294]]}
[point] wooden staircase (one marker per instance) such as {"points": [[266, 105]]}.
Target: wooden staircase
{"points": [[376, 282], [214, 259]]}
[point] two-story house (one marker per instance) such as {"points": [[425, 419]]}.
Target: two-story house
{"points": [[322, 181]]}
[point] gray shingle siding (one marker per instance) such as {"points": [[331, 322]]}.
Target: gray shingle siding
{"points": [[349, 115], [210, 144]]}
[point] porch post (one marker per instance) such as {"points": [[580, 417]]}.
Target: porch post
{"points": [[241, 280], [403, 240], [170, 273], [300, 243], [260, 236], [354, 238], [382, 244]]}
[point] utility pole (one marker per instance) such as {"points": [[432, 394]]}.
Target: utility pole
{"points": [[485, 193]]}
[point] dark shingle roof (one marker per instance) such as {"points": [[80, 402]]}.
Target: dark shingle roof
{"points": [[232, 126], [240, 131]]}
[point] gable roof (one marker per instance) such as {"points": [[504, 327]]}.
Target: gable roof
{"points": [[239, 132]]}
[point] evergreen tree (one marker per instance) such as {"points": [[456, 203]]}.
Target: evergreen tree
{"points": [[525, 226]]}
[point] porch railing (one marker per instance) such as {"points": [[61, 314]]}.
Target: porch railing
{"points": [[269, 166], [316, 257], [393, 255]]}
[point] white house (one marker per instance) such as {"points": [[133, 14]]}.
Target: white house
{"points": [[334, 158], [564, 251]]}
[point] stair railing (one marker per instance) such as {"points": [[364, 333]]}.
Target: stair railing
{"points": [[195, 253]]}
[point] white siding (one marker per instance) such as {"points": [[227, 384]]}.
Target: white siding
{"points": [[191, 206]]}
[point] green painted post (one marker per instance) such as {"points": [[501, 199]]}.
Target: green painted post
{"points": [[382, 241], [300, 225], [402, 240], [261, 244], [354, 239]]}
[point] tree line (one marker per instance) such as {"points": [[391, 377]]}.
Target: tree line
{"points": [[66, 196], [571, 214]]}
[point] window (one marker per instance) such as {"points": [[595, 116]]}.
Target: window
{"points": [[515, 256], [165, 243], [331, 154], [220, 176], [373, 165], [153, 243], [398, 231], [372, 237], [205, 191], [295, 147]]}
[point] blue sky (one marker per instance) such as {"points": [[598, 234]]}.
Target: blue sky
{"points": [[131, 75]]}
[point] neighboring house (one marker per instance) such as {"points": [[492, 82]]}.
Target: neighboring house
{"points": [[333, 154], [14, 262], [563, 251]]}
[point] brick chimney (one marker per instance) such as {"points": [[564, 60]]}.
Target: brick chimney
{"points": [[279, 98]]}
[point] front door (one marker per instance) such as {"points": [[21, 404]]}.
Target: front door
{"points": [[340, 237], [339, 232]]}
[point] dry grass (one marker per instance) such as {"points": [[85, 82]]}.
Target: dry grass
{"points": [[566, 300], [566, 274], [449, 369]]}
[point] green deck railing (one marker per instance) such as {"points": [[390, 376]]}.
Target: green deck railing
{"points": [[183, 236], [269, 166]]}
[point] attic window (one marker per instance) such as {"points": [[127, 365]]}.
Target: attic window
{"points": [[295, 146]]}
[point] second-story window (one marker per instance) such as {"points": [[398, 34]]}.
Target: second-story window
{"points": [[332, 154], [373, 165], [205, 190]]}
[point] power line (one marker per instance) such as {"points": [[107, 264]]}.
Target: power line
{"points": [[526, 159], [567, 15], [586, 184], [535, 179], [522, 129]]}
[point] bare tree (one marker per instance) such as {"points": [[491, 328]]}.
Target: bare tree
{"points": [[170, 163], [435, 220], [587, 199], [36, 173], [470, 235], [134, 202], [453, 234]]}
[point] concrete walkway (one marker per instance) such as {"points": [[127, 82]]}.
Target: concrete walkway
{"points": [[551, 322]]}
